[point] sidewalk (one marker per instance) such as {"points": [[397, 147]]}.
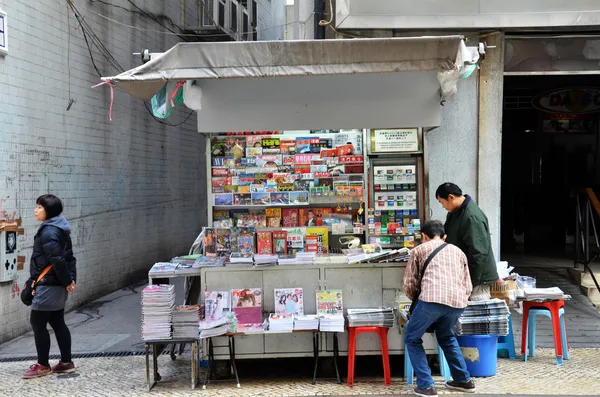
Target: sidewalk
{"points": [[126, 376]]}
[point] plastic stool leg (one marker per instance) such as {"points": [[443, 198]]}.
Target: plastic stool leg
{"points": [[524, 332], [444, 368], [563, 334], [510, 339], [409, 372], [532, 331], [556, 328], [351, 355], [387, 376]]}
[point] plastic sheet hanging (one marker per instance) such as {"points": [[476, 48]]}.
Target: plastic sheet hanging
{"points": [[166, 99]]}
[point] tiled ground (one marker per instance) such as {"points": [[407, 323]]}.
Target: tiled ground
{"points": [[126, 377]]}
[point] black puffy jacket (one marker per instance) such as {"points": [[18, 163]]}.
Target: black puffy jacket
{"points": [[52, 246]]}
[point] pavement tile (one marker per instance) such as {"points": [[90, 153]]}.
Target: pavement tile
{"points": [[125, 376]]}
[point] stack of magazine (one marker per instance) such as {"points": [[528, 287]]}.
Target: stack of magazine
{"points": [[264, 260], [237, 259], [209, 261], [330, 310], [158, 302], [488, 317], [306, 323], [305, 258], [185, 322], [281, 322], [289, 259], [217, 309], [371, 317]]}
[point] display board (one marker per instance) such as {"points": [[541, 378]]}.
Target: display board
{"points": [[285, 192]]}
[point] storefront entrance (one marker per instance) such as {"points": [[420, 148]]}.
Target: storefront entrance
{"points": [[549, 152]]}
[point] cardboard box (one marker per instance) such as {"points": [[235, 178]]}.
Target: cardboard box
{"points": [[506, 290]]}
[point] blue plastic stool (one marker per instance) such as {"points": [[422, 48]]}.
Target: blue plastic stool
{"points": [[507, 342], [409, 372], [530, 346]]}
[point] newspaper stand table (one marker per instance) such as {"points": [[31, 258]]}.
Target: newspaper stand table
{"points": [[159, 343], [231, 344]]}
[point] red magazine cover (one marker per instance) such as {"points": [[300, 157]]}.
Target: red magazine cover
{"points": [[290, 217], [265, 243], [280, 242]]}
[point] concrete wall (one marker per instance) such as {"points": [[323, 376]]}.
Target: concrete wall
{"points": [[271, 20], [134, 190]]}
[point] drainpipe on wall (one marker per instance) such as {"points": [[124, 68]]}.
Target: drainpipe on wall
{"points": [[319, 16]]}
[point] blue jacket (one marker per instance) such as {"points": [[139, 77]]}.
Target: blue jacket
{"points": [[52, 246]]}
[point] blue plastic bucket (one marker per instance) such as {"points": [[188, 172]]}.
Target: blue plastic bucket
{"points": [[480, 353]]}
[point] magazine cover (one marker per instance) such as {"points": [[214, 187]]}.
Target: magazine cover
{"points": [[295, 240], [330, 302], [210, 241], [223, 238], [247, 306], [261, 198], [289, 216], [280, 242], [321, 236], [217, 304], [280, 198], [289, 301], [245, 242], [224, 199], [265, 243]]}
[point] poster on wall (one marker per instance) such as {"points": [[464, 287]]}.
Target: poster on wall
{"points": [[568, 124], [398, 140]]}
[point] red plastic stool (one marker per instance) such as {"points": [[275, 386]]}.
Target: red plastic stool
{"points": [[554, 307], [383, 333]]}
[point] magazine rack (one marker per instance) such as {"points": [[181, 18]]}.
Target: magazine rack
{"points": [[231, 346]]}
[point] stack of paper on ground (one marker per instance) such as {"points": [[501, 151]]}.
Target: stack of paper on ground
{"points": [[306, 323], [488, 317], [210, 328], [541, 294], [287, 259], [281, 322], [158, 302], [237, 259], [185, 322], [371, 317], [263, 260], [305, 258]]}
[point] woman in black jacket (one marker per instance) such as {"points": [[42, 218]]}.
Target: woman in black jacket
{"points": [[51, 247]]}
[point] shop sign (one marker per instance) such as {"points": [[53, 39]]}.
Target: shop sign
{"points": [[399, 140], [578, 100]]}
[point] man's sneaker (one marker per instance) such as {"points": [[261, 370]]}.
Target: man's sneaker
{"points": [[62, 368], [468, 387], [431, 392], [37, 370]]}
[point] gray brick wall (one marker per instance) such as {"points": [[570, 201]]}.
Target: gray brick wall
{"points": [[134, 190]]}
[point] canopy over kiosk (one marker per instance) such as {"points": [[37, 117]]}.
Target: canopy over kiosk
{"points": [[291, 85]]}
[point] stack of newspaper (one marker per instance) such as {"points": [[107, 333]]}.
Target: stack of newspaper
{"points": [[542, 294], [185, 322], [488, 317], [371, 317], [264, 260], [158, 302], [306, 323], [305, 258], [287, 259]]}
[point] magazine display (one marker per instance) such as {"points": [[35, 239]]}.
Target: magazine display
{"points": [[217, 304], [281, 322], [289, 301], [330, 309], [247, 306]]}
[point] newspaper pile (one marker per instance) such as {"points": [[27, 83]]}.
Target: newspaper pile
{"points": [[185, 322], [158, 302], [488, 317], [371, 317]]}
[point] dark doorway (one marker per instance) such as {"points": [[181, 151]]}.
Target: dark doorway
{"points": [[547, 155]]}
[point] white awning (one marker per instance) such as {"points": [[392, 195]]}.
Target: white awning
{"points": [[287, 81]]}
